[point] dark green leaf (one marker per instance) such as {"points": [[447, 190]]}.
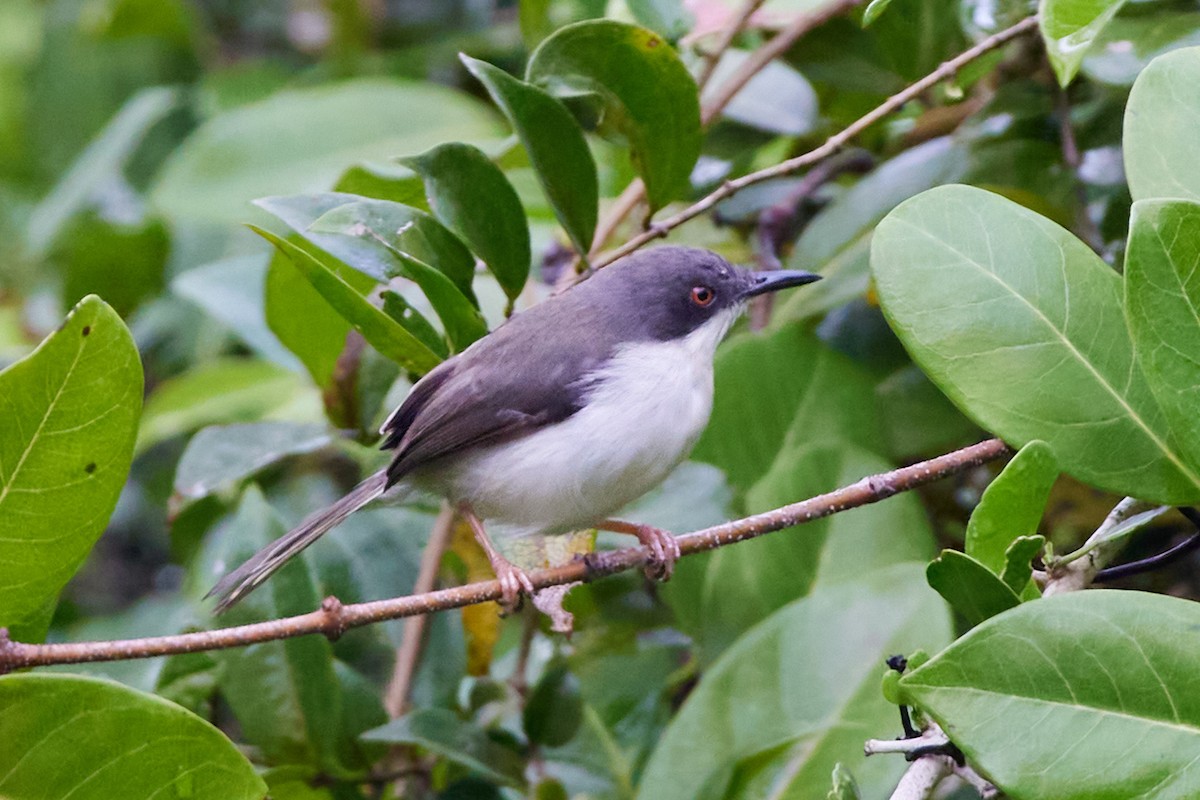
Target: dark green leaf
{"points": [[384, 334], [123, 261], [70, 412], [443, 733], [1017, 566], [1099, 685], [650, 99], [1162, 289], [969, 587], [90, 739], [874, 10], [384, 182], [1160, 126], [1012, 505], [1047, 315], [557, 149], [471, 196], [1068, 29], [221, 455], [554, 708], [399, 309], [1129, 43]]}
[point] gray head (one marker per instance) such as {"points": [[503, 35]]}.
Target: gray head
{"points": [[668, 292]]}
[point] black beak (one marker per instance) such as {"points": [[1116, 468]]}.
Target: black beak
{"points": [[777, 279]]}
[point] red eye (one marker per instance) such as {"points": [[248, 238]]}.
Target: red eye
{"points": [[703, 296]]}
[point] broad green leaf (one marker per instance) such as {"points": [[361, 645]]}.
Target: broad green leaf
{"points": [[844, 786], [917, 418], [91, 739], [1012, 505], [777, 99], [1130, 43], [221, 455], [556, 146], [1068, 29], [442, 732], [874, 11], [793, 696], [554, 707], [1162, 294], [399, 309], [301, 140], [649, 98], [1160, 126], [977, 287], [385, 334], [384, 182], [971, 589], [70, 412], [1096, 698], [229, 390], [1018, 567], [124, 262], [471, 196], [376, 221]]}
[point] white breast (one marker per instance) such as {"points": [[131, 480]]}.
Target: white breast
{"points": [[648, 407]]}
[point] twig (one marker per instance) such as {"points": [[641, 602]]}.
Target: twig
{"points": [[923, 777], [1077, 571], [333, 619], [834, 143], [1084, 226], [409, 652], [1154, 562], [713, 57]]}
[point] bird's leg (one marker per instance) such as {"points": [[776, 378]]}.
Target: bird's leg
{"points": [[513, 579], [662, 545]]}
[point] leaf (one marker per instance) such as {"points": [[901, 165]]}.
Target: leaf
{"points": [[221, 455], [793, 696], [649, 97], [969, 587], [1012, 505], [383, 333], [125, 262], [777, 99], [559, 153], [442, 732], [92, 739], [1017, 567], [376, 220], [667, 18], [1162, 292], [301, 140], [554, 709], [471, 196], [1160, 125], [1099, 685], [384, 182], [1128, 44], [976, 286], [70, 412], [1068, 29], [874, 11], [399, 309], [844, 787], [223, 391]]}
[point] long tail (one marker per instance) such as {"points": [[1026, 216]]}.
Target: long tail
{"points": [[246, 578]]}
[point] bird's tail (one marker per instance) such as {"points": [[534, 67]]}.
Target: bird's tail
{"points": [[243, 580]]}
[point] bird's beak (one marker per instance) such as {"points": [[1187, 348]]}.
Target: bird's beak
{"points": [[777, 279]]}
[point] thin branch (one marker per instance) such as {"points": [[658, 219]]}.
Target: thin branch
{"points": [[409, 652], [333, 619], [834, 143], [922, 777], [1084, 225], [713, 57], [1154, 562]]}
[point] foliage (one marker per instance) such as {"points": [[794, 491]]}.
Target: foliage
{"points": [[1014, 262]]}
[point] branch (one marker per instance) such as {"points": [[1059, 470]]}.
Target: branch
{"points": [[713, 57], [834, 143], [333, 619]]}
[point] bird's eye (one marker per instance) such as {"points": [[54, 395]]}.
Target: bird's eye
{"points": [[703, 296]]}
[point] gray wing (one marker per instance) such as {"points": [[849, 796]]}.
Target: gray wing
{"points": [[507, 384]]}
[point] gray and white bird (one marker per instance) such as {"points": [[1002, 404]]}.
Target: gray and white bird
{"points": [[561, 416]]}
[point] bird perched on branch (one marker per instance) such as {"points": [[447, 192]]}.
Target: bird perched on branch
{"points": [[561, 416]]}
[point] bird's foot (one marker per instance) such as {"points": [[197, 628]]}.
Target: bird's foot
{"points": [[513, 583], [661, 546]]}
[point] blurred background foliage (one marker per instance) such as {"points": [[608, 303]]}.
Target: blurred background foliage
{"points": [[134, 136]]}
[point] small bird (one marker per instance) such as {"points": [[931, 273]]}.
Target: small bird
{"points": [[562, 415]]}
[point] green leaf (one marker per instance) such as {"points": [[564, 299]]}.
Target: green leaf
{"points": [[125, 262], [229, 390], [383, 333], [1162, 292], [1128, 44], [969, 587], [777, 99], [559, 153], [1012, 505], [91, 739], [471, 196], [70, 412], [1068, 29], [442, 732], [1095, 699], [793, 696], [399, 309], [554, 709], [1160, 125], [376, 221], [650, 99], [844, 786], [874, 11], [1018, 567], [969, 305], [668, 18], [384, 182], [221, 455], [301, 140]]}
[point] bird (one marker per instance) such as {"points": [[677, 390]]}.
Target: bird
{"points": [[561, 416]]}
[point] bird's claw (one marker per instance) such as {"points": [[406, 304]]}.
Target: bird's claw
{"points": [[514, 582], [663, 549]]}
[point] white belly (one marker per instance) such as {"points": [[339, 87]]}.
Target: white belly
{"points": [[644, 416]]}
